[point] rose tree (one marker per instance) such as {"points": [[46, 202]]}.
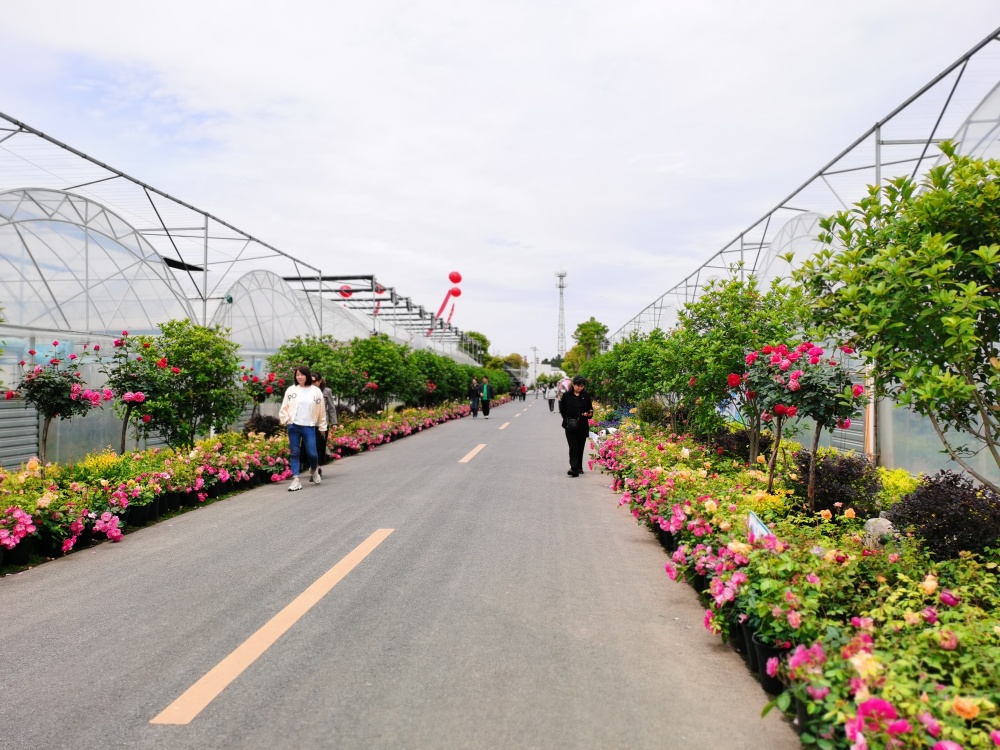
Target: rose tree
{"points": [[802, 382], [56, 389]]}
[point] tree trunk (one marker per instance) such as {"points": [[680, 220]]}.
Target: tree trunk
{"points": [[128, 413], [45, 439], [773, 463], [812, 469]]}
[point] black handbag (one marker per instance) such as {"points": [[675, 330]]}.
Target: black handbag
{"points": [[572, 424]]}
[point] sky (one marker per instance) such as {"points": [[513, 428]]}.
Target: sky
{"points": [[624, 143]]}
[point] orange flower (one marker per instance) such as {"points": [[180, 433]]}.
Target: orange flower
{"points": [[965, 708], [826, 514], [849, 513]]}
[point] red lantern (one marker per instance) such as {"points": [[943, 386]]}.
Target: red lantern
{"points": [[345, 291], [379, 289], [455, 277], [456, 292]]}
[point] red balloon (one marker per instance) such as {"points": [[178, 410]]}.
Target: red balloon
{"points": [[345, 291], [379, 289], [456, 292], [455, 278]]}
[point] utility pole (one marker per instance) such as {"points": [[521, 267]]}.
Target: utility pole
{"points": [[534, 365], [561, 337]]}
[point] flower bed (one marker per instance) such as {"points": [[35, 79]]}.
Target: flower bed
{"points": [[873, 646], [56, 510]]}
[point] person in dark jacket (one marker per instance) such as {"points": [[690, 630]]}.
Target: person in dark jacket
{"points": [[474, 395], [576, 409], [487, 392]]}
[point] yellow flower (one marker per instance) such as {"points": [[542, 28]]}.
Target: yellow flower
{"points": [[965, 708], [793, 476], [685, 453], [711, 506], [725, 526], [866, 664], [827, 515], [740, 548], [911, 618], [760, 459], [849, 513], [32, 464], [929, 584]]}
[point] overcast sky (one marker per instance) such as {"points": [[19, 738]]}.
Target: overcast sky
{"points": [[624, 142]]}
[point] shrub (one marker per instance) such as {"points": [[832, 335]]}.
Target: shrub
{"points": [[650, 411], [734, 440], [846, 478], [267, 426], [950, 514], [896, 483]]}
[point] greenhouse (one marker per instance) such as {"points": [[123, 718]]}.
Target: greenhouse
{"points": [[961, 104], [87, 252]]}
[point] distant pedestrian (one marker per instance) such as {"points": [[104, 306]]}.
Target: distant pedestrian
{"points": [[487, 392], [576, 409], [524, 391], [303, 412], [551, 394], [474, 395], [330, 404]]}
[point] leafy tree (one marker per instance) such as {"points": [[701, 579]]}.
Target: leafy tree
{"points": [[484, 343], [137, 377], [912, 278], [590, 335], [556, 362], [731, 318], [515, 361], [494, 363], [574, 360], [319, 354], [206, 392], [380, 363]]}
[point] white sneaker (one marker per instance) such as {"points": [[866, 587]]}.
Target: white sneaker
{"points": [[295, 485], [318, 478]]}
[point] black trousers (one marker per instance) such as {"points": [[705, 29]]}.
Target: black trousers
{"points": [[485, 403], [552, 404], [577, 444]]}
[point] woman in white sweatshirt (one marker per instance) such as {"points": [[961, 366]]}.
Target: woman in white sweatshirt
{"points": [[303, 411]]}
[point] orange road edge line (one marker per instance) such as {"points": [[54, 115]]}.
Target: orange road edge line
{"points": [[204, 691], [471, 454], [503, 425]]}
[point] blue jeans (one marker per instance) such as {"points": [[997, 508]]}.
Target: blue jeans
{"points": [[296, 435]]}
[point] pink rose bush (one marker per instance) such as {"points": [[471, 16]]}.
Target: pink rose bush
{"points": [[886, 647]]}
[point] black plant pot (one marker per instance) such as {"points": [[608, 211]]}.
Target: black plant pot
{"points": [[137, 515], [189, 499], [751, 654], [172, 501], [766, 651], [22, 552], [700, 582], [803, 721], [736, 638]]}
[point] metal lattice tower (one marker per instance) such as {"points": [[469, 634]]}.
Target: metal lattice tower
{"points": [[561, 338]]}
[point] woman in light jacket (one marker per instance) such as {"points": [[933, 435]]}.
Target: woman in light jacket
{"points": [[303, 411], [551, 394]]}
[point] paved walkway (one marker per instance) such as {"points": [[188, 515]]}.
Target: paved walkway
{"points": [[510, 607]]}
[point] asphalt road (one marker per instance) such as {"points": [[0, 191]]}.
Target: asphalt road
{"points": [[511, 606]]}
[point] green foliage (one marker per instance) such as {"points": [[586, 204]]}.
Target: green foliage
{"points": [[573, 362], [137, 376], [205, 393], [729, 319], [484, 343], [896, 483], [843, 480], [590, 336], [319, 354], [651, 412], [913, 277]]}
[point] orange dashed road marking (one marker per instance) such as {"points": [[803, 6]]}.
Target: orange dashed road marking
{"points": [[198, 696], [471, 454]]}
